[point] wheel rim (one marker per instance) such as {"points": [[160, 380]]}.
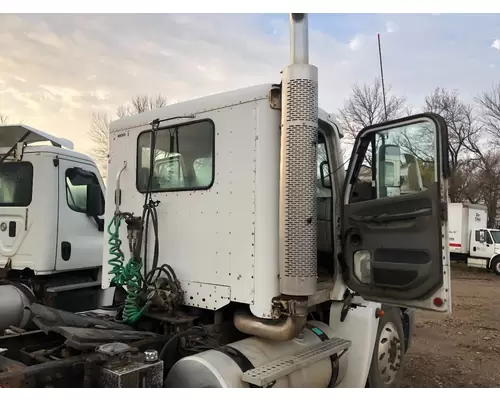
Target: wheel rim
{"points": [[497, 267], [389, 353]]}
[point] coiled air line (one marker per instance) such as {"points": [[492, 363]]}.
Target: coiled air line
{"points": [[129, 276]]}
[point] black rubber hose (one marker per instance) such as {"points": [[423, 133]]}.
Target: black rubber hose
{"points": [[177, 336]]}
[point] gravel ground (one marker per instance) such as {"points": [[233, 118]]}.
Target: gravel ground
{"points": [[462, 350]]}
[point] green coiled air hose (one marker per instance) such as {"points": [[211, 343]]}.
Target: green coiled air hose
{"points": [[114, 242], [128, 277]]}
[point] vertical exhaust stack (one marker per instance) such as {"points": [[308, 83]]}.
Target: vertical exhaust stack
{"points": [[299, 135], [297, 215]]}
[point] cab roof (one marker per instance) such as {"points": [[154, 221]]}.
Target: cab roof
{"points": [[11, 134], [204, 104]]}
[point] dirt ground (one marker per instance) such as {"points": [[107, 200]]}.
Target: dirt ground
{"points": [[462, 350]]}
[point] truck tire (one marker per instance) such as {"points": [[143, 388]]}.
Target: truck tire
{"points": [[495, 265], [386, 368]]}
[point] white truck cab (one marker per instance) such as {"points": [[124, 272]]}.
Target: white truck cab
{"points": [[469, 238], [47, 233], [220, 206]]}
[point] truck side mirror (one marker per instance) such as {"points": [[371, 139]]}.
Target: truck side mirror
{"points": [[389, 165], [324, 173], [481, 237], [95, 201]]}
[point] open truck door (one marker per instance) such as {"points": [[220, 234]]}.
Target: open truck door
{"points": [[394, 243]]}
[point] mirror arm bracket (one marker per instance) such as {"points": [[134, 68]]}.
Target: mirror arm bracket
{"points": [[99, 222]]}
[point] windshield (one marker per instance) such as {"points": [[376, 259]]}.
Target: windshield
{"points": [[16, 184], [496, 236]]}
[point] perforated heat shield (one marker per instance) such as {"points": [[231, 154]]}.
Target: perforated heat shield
{"points": [[299, 135]]}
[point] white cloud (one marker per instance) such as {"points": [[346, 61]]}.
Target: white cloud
{"points": [[391, 27], [27, 100], [101, 94], [355, 43], [43, 35], [67, 95], [496, 44]]}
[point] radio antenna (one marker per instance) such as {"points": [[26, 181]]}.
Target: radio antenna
{"points": [[382, 74]]}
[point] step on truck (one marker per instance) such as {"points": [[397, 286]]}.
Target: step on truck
{"points": [[471, 241], [240, 253], [50, 247]]}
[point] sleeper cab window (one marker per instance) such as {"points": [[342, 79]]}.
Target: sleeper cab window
{"points": [[183, 157]]}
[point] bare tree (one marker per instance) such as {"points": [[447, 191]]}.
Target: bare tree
{"points": [[99, 128], [473, 157], [489, 106], [140, 104], [463, 134], [482, 177], [4, 118], [365, 107], [99, 133]]}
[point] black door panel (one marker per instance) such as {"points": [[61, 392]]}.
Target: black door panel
{"points": [[392, 237], [401, 250]]}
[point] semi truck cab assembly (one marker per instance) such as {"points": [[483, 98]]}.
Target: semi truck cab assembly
{"points": [[238, 251]]}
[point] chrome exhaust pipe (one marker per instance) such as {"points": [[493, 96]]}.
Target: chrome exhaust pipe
{"points": [[299, 39], [282, 330]]}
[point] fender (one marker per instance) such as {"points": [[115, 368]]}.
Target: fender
{"points": [[408, 316], [490, 261], [360, 327]]}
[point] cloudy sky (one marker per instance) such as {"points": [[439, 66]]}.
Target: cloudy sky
{"points": [[55, 70]]}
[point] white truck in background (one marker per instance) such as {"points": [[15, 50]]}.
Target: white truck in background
{"points": [[470, 240], [50, 241]]}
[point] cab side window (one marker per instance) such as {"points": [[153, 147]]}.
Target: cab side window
{"points": [[183, 158], [489, 240], [77, 180], [397, 161]]}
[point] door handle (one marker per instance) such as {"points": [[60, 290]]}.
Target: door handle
{"points": [[391, 217], [12, 228]]}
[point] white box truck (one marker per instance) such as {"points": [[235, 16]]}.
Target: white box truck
{"points": [[469, 237]]}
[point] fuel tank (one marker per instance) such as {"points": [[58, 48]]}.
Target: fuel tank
{"points": [[222, 368], [12, 307]]}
